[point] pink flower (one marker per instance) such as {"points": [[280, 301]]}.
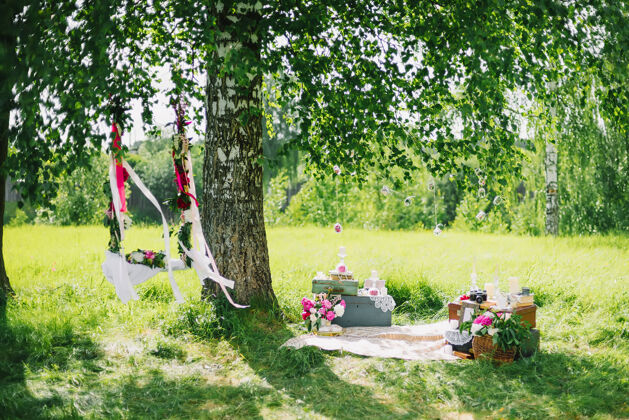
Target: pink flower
{"points": [[305, 315], [327, 304], [322, 310], [341, 268], [373, 292], [342, 303], [330, 315], [338, 228], [307, 304], [149, 255], [483, 320]]}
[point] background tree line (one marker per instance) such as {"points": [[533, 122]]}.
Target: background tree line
{"points": [[593, 192]]}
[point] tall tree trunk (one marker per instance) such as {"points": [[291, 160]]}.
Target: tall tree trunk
{"points": [[232, 212], [7, 54], [552, 202]]}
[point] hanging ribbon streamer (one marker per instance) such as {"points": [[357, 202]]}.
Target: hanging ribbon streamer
{"points": [[119, 170], [186, 181], [204, 259]]}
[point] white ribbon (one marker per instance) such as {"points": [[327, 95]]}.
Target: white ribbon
{"points": [[202, 257], [124, 289]]}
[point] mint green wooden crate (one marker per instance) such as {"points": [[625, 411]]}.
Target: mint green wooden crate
{"points": [[336, 287]]}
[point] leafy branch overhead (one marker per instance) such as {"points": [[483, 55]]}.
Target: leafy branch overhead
{"points": [[382, 84], [417, 83]]}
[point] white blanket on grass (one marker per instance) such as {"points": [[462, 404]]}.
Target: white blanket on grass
{"points": [[409, 342]]}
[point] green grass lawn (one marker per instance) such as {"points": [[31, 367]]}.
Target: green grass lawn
{"points": [[69, 348]]}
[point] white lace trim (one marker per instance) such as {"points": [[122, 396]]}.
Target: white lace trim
{"points": [[385, 303]]}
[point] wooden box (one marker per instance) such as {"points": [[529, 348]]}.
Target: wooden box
{"points": [[360, 311], [526, 312], [335, 287]]}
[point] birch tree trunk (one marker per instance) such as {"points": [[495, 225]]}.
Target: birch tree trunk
{"points": [[232, 208], [552, 202]]}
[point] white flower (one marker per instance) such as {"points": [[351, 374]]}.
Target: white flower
{"points": [[137, 256], [126, 221], [313, 310], [475, 328], [339, 310], [313, 318], [492, 331], [187, 215]]}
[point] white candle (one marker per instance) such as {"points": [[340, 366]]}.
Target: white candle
{"points": [[514, 285], [342, 250], [489, 287]]}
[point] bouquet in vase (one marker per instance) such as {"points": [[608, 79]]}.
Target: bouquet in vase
{"points": [[321, 311]]}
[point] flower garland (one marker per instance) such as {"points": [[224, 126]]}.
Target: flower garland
{"points": [[119, 151], [148, 258], [183, 200]]}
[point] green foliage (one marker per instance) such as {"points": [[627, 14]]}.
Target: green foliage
{"points": [[153, 162], [12, 209], [20, 218], [80, 199], [275, 199], [417, 299], [510, 331], [60, 62], [326, 201], [375, 84], [203, 320], [168, 350]]}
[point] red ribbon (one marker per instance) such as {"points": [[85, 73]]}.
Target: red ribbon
{"points": [[180, 183], [119, 170]]}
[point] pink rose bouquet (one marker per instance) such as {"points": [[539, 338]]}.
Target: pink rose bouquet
{"points": [[507, 330], [321, 309]]}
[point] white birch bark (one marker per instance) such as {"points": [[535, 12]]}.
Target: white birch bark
{"points": [[232, 208], [552, 201]]}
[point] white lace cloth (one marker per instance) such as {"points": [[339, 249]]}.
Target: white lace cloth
{"points": [[412, 342], [385, 303]]}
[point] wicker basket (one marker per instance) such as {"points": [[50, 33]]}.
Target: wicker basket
{"points": [[483, 346]]}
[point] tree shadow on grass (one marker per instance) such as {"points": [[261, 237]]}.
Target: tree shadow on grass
{"points": [[304, 376], [155, 396], [24, 347], [547, 385]]}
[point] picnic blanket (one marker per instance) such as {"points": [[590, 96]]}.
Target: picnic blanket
{"points": [[410, 342]]}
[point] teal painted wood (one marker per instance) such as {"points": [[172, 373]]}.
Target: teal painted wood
{"points": [[360, 311], [339, 287]]}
